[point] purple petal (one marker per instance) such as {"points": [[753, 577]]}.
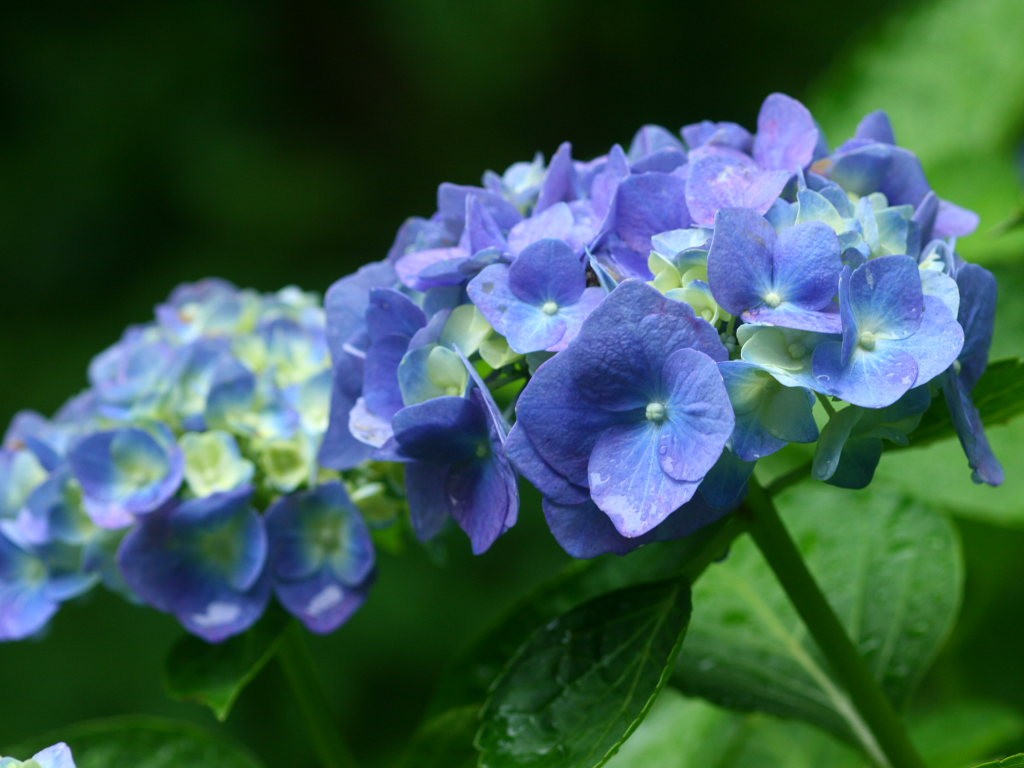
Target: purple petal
{"points": [[646, 204], [322, 603], [548, 270], [726, 180], [876, 127], [559, 181], [541, 475], [971, 432], [484, 500], [807, 264], [786, 134], [886, 297], [937, 343], [428, 504], [554, 222]]}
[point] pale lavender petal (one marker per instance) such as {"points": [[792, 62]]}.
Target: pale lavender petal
{"points": [[786, 134]]}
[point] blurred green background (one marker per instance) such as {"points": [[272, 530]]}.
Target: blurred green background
{"points": [[142, 145]]}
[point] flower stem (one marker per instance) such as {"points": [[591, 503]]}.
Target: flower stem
{"points": [[887, 741], [293, 654]]}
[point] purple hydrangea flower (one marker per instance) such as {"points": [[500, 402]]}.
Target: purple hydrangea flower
{"points": [[540, 302], [204, 561], [321, 556], [638, 388]]}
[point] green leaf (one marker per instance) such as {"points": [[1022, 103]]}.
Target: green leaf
{"points": [[914, 472], [215, 675], [582, 683], [469, 678], [1017, 761], [999, 396], [690, 733], [889, 567], [444, 741], [142, 742]]}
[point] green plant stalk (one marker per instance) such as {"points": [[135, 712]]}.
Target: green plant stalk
{"points": [[293, 654], [887, 730]]}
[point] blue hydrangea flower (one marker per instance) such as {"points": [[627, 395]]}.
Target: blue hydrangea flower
{"points": [[638, 387], [788, 279], [57, 756], [126, 472], [204, 561], [540, 302], [321, 556], [894, 337]]}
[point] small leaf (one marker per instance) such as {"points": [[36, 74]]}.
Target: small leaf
{"points": [[891, 570], [468, 680], [142, 742], [999, 396], [582, 683], [215, 675]]}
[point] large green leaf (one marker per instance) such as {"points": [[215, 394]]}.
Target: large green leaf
{"points": [[950, 74], [143, 742], [690, 733], [583, 682], [469, 678], [890, 569], [215, 675], [915, 472]]}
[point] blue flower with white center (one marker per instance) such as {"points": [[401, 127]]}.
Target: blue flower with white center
{"points": [[894, 337], [321, 556], [32, 588], [788, 279], [638, 388], [204, 561], [57, 756], [768, 414], [455, 466], [126, 472], [538, 303]]}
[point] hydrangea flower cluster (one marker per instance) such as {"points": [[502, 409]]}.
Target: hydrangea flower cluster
{"points": [[186, 475], [57, 756], [632, 333]]}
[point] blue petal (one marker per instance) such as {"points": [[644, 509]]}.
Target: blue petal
{"points": [[484, 499], [541, 475], [873, 379], [449, 429], [321, 603], [971, 432], [720, 180], [627, 482], [700, 416], [428, 503]]}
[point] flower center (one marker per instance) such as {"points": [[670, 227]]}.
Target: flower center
{"points": [[549, 307], [772, 299], [866, 340], [656, 412]]}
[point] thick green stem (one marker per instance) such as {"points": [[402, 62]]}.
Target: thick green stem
{"points": [[305, 683], [887, 731]]}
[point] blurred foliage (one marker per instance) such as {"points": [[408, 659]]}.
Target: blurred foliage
{"points": [[142, 145]]}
